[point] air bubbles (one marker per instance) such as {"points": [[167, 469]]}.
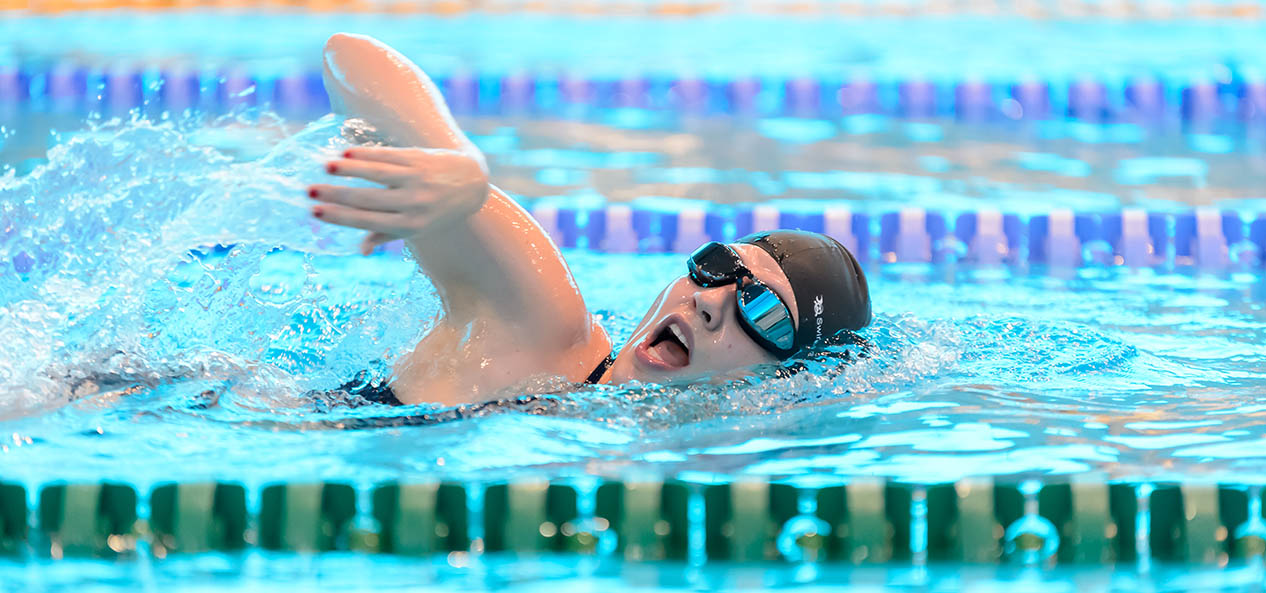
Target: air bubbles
{"points": [[186, 245]]}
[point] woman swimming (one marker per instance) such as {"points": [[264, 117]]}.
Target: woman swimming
{"points": [[511, 311]]}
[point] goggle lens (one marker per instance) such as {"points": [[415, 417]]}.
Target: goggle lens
{"points": [[768, 315], [715, 264]]}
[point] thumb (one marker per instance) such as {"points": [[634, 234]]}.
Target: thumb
{"points": [[372, 241]]}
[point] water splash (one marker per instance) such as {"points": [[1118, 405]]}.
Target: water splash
{"points": [[113, 270]]}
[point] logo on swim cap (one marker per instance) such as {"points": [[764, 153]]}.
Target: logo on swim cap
{"points": [[817, 312]]}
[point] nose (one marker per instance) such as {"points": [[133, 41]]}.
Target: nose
{"points": [[712, 304]]}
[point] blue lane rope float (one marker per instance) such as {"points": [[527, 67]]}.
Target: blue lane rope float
{"points": [[1205, 238], [861, 521], [1141, 100]]}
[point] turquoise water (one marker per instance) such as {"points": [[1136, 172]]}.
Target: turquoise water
{"points": [[727, 45], [1121, 375], [350, 572], [116, 332], [131, 351]]}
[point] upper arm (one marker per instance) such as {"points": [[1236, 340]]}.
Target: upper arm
{"points": [[500, 261]]}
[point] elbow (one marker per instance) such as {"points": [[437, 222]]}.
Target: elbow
{"points": [[348, 60], [347, 47]]}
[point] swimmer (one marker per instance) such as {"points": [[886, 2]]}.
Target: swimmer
{"points": [[511, 312]]}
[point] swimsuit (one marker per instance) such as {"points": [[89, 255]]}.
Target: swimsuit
{"points": [[600, 370], [379, 392]]}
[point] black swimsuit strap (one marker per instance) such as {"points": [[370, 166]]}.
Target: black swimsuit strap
{"points": [[381, 392], [600, 370]]}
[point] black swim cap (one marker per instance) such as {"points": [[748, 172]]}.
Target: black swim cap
{"points": [[828, 284]]}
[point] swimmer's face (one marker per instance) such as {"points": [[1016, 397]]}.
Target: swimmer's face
{"points": [[693, 333]]}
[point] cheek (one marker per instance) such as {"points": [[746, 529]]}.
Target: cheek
{"points": [[734, 349]]}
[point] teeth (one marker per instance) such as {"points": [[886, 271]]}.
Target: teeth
{"points": [[681, 337]]}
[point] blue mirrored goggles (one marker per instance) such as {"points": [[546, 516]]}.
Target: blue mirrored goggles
{"points": [[761, 312]]}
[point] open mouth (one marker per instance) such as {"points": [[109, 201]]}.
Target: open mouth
{"points": [[669, 347]]}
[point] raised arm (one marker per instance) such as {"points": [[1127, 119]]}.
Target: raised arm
{"points": [[485, 255]]}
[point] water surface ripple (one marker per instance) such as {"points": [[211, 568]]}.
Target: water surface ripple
{"points": [[130, 350]]}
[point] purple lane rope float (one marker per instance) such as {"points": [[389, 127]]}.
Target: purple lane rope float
{"points": [[1143, 100], [1207, 238]]}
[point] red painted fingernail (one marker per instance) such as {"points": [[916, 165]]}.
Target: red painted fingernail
{"points": [[331, 168], [317, 212], [312, 193], [347, 154]]}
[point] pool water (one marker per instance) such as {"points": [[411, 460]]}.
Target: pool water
{"points": [[115, 330], [936, 46], [1115, 374], [169, 312], [350, 572]]}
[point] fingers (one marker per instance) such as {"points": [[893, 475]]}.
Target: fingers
{"points": [[390, 155], [361, 219], [395, 155], [370, 220], [417, 180], [372, 241], [385, 173], [364, 198]]}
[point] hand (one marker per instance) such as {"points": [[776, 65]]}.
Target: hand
{"points": [[422, 187]]}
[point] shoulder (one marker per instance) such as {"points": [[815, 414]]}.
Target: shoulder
{"points": [[569, 348]]}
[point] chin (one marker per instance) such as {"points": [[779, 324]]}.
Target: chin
{"points": [[625, 370]]}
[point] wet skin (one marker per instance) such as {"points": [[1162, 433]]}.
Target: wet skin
{"points": [[706, 320], [511, 311]]}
